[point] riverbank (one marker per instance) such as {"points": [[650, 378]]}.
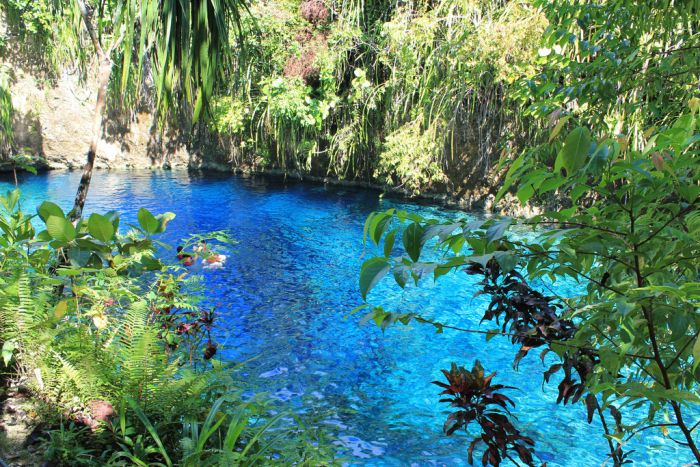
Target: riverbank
{"points": [[479, 199], [18, 427]]}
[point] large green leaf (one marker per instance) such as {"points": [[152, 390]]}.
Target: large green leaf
{"points": [[101, 228], [497, 229], [372, 271], [47, 209], [79, 257], [413, 240], [113, 217], [378, 225], [575, 150], [147, 221], [389, 243], [60, 229], [507, 260]]}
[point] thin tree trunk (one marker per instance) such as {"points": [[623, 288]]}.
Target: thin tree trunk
{"points": [[103, 74], [647, 314]]}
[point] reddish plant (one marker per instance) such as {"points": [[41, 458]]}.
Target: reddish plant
{"points": [[315, 12], [182, 327], [481, 402], [532, 321], [304, 68], [210, 351]]}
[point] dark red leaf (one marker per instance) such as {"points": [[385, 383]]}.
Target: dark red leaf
{"points": [[591, 405], [552, 369], [470, 451]]}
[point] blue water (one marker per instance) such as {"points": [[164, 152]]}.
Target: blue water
{"points": [[284, 295]]}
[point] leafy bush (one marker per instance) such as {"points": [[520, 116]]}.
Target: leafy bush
{"points": [[627, 342], [113, 341], [408, 158]]}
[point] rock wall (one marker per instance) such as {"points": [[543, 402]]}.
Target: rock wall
{"points": [[54, 120], [53, 117]]}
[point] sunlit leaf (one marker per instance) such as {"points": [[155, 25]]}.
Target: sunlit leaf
{"points": [[371, 273]]}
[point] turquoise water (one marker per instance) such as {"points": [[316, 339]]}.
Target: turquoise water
{"points": [[284, 295]]}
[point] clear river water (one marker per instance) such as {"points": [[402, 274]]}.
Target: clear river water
{"points": [[284, 295]]}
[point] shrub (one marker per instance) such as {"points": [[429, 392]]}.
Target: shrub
{"points": [[410, 158]]}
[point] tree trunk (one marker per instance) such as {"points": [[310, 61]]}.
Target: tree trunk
{"points": [[103, 74]]}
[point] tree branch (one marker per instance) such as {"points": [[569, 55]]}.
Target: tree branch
{"points": [[667, 223], [91, 29], [421, 319]]}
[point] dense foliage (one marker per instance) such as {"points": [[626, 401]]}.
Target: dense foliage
{"points": [[114, 340], [616, 89], [345, 96], [338, 88], [630, 338]]}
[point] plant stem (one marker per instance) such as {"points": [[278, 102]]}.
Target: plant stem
{"points": [[613, 452], [649, 318]]}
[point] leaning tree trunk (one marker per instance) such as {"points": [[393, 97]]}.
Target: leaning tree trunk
{"points": [[103, 74]]}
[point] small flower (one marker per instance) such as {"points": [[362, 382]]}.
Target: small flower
{"points": [[100, 321]]}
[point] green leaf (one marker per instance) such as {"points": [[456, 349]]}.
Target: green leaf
{"points": [[401, 275], [48, 209], [371, 272], [79, 257], [510, 177], [442, 231], [101, 228], [68, 272], [113, 217], [557, 128], [552, 184], [9, 201], [151, 429], [696, 352], [525, 193], [60, 309], [147, 221], [163, 221], [441, 271], [8, 349], [389, 243], [578, 191], [413, 240], [506, 259], [365, 229], [497, 229], [490, 334], [378, 226], [60, 229], [575, 151]]}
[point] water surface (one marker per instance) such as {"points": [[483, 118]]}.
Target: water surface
{"points": [[284, 295]]}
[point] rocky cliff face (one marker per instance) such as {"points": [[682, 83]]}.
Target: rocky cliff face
{"points": [[53, 118]]}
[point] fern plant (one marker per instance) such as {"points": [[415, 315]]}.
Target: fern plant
{"points": [[94, 324]]}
